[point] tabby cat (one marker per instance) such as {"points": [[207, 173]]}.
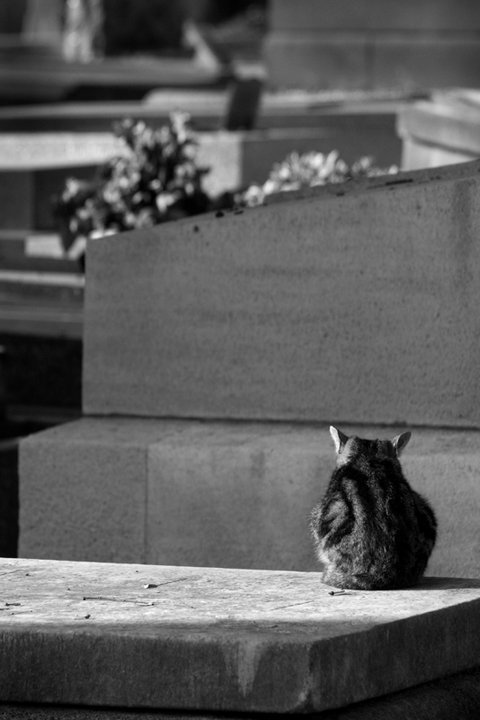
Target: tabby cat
{"points": [[372, 531]]}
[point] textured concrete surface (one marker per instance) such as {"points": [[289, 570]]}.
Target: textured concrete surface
{"points": [[354, 303], [219, 494], [190, 638]]}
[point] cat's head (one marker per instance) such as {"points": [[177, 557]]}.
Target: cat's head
{"points": [[347, 448]]}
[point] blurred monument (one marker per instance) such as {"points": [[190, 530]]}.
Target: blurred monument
{"points": [[83, 30], [42, 23], [30, 28], [373, 44]]}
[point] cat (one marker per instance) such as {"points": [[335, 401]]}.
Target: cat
{"points": [[372, 531]]}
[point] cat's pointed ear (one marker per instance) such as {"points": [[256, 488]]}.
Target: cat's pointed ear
{"points": [[400, 441], [338, 438]]}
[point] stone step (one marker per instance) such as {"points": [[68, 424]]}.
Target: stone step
{"points": [[220, 494], [223, 640], [354, 303]]}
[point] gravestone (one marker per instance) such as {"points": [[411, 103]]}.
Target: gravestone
{"points": [[218, 348]]}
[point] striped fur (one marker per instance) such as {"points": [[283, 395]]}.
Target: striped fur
{"points": [[372, 531]]}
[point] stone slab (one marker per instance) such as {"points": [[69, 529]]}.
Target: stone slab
{"points": [[378, 15], [456, 696], [219, 494], [222, 640], [355, 303]]}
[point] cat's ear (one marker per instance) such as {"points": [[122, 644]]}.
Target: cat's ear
{"points": [[338, 438], [400, 441]]}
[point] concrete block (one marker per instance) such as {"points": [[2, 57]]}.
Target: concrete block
{"points": [[219, 494], [315, 61], [378, 15], [353, 303], [130, 636], [424, 61], [83, 491]]}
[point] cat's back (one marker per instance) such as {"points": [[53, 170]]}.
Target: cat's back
{"points": [[371, 529], [368, 491]]}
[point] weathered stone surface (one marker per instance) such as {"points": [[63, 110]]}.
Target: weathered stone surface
{"points": [[219, 494], [353, 303], [191, 638]]}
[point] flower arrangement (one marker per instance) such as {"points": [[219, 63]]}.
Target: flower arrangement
{"points": [[154, 178], [310, 169]]}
